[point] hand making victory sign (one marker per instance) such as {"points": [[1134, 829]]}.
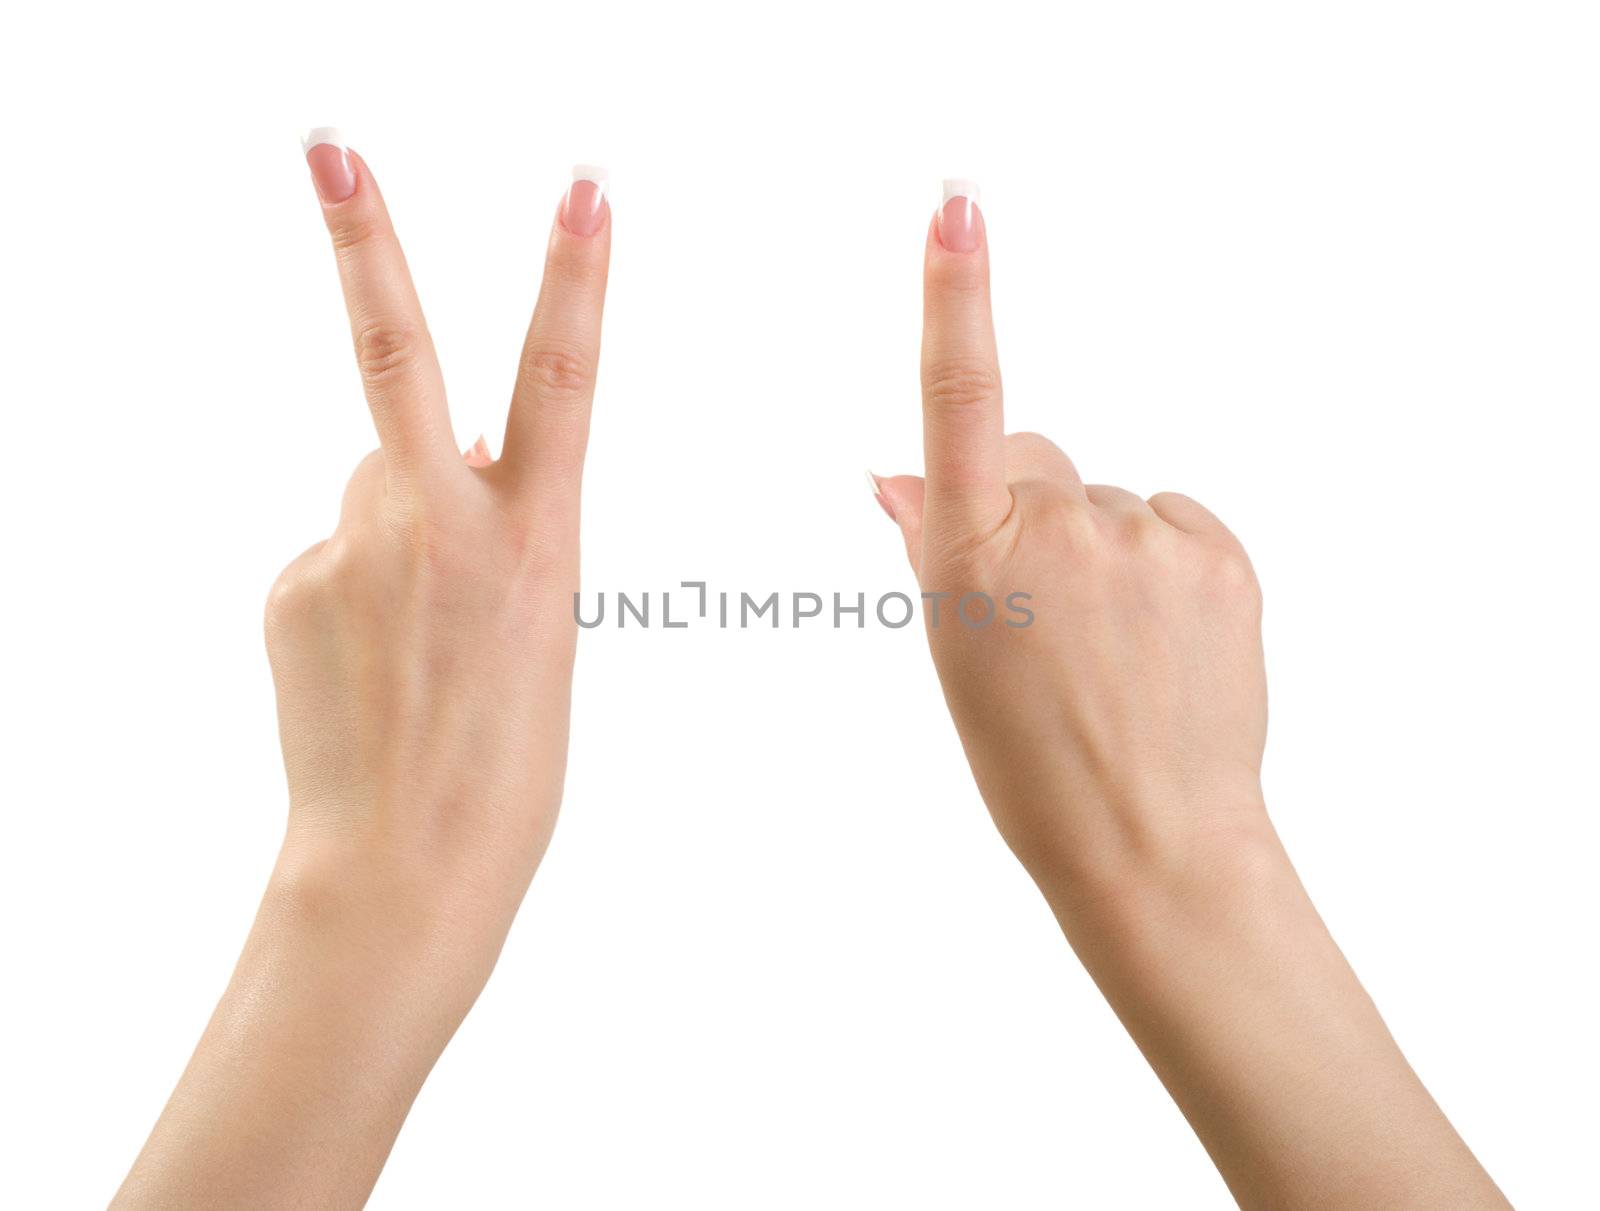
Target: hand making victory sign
{"points": [[423, 661]]}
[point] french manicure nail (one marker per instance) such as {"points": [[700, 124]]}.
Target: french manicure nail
{"points": [[584, 210], [331, 170], [877, 495], [958, 216]]}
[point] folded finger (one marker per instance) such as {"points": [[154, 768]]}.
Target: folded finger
{"points": [[1117, 500], [1189, 515]]}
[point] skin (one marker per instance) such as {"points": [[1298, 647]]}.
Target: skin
{"points": [[423, 662], [1117, 741], [423, 656]]}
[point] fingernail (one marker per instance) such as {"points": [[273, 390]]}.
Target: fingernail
{"points": [[584, 210], [958, 216], [877, 495], [331, 170], [478, 455]]}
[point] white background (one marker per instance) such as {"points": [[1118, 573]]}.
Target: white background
{"points": [[1330, 268]]}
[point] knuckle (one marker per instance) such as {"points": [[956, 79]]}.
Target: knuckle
{"points": [[1066, 521], [340, 563], [1231, 575], [1027, 442], [1145, 531], [960, 382], [557, 371], [312, 585], [385, 350], [1033, 458], [290, 600]]}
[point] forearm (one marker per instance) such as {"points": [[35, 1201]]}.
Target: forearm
{"points": [[1227, 979], [342, 1000]]}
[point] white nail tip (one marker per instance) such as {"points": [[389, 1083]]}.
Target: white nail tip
{"points": [[872, 482], [319, 135], [594, 174], [956, 188]]}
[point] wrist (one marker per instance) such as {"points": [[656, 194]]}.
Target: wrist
{"points": [[394, 930], [1175, 941], [1193, 879], [341, 1002]]}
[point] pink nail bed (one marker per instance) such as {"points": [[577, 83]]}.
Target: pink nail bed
{"points": [[958, 216], [329, 160], [584, 210]]}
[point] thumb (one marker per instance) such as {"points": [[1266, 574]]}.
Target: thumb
{"points": [[901, 498]]}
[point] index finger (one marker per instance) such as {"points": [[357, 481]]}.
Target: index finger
{"points": [[399, 369], [963, 427]]}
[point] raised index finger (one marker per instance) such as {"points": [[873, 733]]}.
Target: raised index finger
{"points": [[963, 427], [399, 369]]}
